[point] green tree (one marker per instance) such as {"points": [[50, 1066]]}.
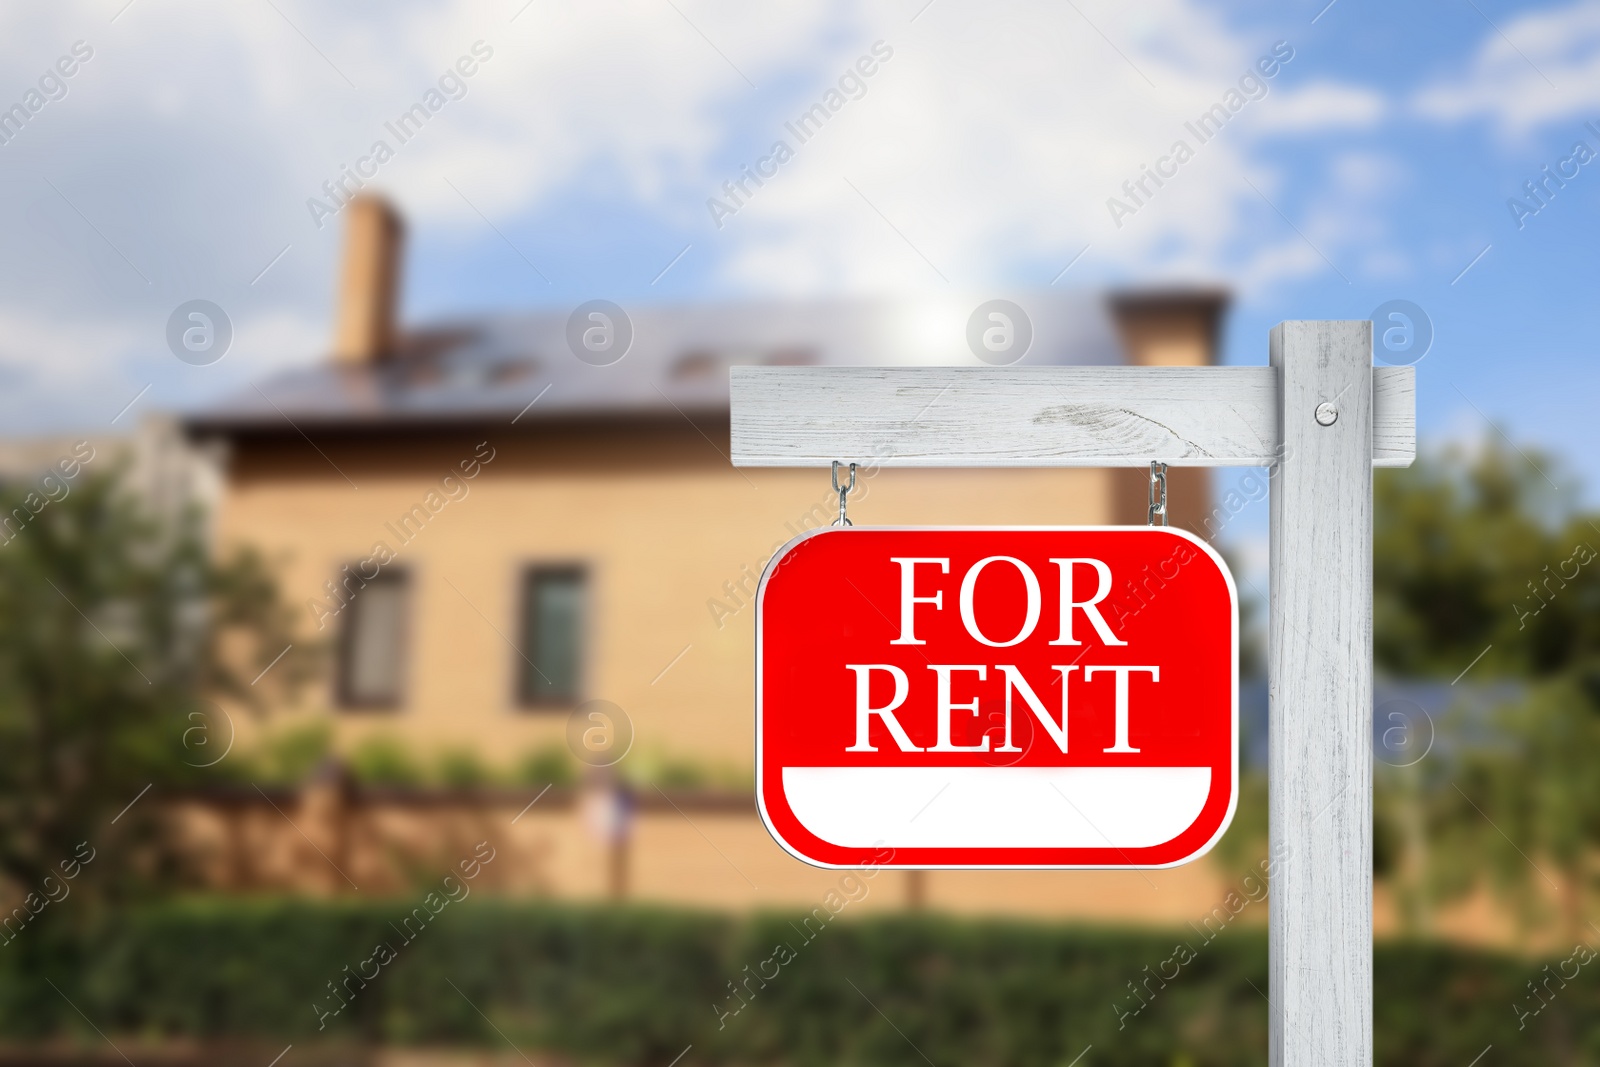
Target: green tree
{"points": [[1485, 574], [121, 642], [1468, 556], [1524, 810]]}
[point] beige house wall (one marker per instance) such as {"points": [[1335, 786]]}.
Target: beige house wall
{"points": [[673, 539], [672, 545]]}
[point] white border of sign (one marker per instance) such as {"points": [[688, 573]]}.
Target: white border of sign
{"points": [[1233, 801]]}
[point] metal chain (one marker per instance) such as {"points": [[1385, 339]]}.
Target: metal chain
{"points": [[1158, 493], [843, 492]]}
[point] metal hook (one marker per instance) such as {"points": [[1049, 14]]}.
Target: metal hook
{"points": [[1158, 492], [843, 492]]}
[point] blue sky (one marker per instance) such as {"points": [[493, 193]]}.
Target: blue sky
{"points": [[1377, 166]]}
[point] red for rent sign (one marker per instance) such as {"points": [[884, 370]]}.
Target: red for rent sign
{"points": [[997, 697]]}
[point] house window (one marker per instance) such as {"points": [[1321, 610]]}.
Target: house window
{"points": [[548, 671], [372, 643]]}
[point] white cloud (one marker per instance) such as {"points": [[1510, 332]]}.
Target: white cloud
{"points": [[1320, 106], [1545, 69], [57, 352], [993, 141], [181, 160], [1341, 225]]}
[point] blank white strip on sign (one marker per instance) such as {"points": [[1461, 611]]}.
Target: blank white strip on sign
{"points": [[997, 807]]}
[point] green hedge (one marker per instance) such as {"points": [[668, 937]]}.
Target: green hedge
{"points": [[635, 986]]}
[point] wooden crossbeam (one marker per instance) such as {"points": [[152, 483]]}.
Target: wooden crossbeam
{"points": [[1035, 417]]}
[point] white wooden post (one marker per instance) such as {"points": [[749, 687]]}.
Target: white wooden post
{"points": [[1320, 702], [1320, 665]]}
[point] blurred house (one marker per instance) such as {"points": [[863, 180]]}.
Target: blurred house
{"points": [[155, 461], [489, 530]]}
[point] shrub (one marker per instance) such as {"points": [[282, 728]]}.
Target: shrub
{"points": [[637, 986]]}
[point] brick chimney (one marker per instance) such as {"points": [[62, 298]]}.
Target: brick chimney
{"points": [[369, 287], [1167, 328]]}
